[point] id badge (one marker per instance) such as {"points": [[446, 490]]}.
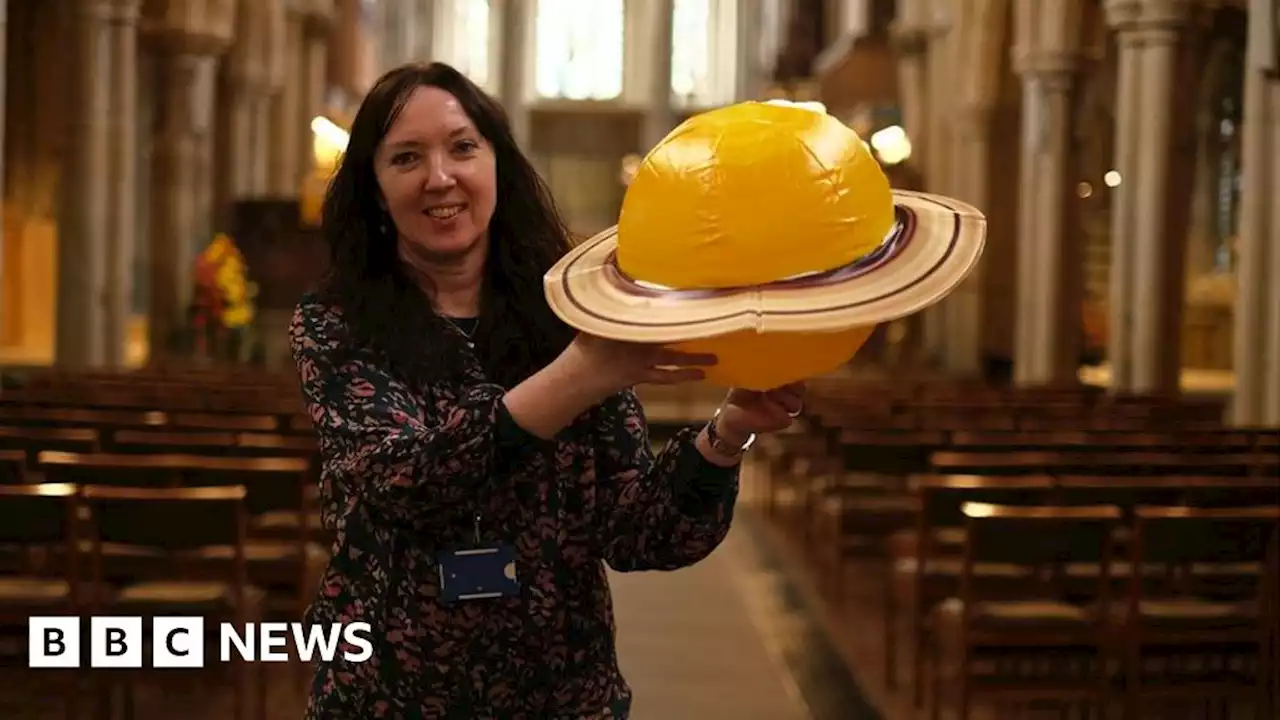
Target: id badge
{"points": [[478, 573]]}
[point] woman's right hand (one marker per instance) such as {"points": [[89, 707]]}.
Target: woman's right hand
{"points": [[611, 366], [589, 371]]}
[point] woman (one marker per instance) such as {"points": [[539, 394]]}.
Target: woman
{"points": [[461, 421]]}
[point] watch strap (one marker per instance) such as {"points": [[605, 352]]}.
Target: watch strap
{"points": [[722, 446]]}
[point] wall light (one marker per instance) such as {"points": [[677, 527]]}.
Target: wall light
{"points": [[891, 144], [329, 132]]}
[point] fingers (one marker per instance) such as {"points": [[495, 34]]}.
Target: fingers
{"points": [[667, 358], [660, 376], [789, 397]]}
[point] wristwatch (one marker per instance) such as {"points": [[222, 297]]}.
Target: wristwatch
{"points": [[723, 447]]}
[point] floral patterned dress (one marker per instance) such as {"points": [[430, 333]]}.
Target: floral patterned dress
{"points": [[405, 473]]}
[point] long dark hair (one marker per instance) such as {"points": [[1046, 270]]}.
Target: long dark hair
{"points": [[384, 309]]}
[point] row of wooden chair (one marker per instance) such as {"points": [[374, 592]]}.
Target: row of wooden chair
{"points": [[182, 506], [194, 542], [845, 488]]}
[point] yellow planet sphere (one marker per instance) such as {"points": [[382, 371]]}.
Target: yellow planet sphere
{"points": [[748, 195], [751, 194], [763, 361]]}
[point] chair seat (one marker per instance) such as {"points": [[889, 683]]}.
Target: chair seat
{"points": [[34, 591], [954, 567], [262, 551], [178, 596], [1197, 613], [276, 519], [1015, 612]]}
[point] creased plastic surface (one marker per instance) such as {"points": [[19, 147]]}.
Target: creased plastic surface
{"points": [[750, 194]]}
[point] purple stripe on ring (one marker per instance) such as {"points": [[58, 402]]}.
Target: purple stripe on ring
{"points": [[889, 248]]}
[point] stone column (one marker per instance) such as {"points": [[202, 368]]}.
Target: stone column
{"points": [[516, 22], [122, 200], [1157, 297], [242, 80], [282, 163], [962, 352], [938, 156], [659, 117], [1271, 403], [186, 86], [4, 30], [1123, 16], [84, 229], [1257, 307], [911, 44], [315, 83], [1050, 269]]}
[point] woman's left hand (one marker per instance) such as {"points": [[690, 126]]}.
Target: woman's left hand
{"points": [[748, 411]]}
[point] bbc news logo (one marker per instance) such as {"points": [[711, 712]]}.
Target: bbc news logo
{"points": [[178, 642]]}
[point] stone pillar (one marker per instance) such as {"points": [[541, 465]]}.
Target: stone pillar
{"points": [[517, 30], [122, 200], [1123, 16], [1271, 402], [242, 71], [4, 30], [1257, 307], [84, 229], [1051, 271], [315, 83], [1147, 280], [963, 335], [282, 164], [1157, 306], [910, 44], [659, 117], [938, 157], [186, 89], [242, 92]]}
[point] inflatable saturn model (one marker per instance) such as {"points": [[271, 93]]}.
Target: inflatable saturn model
{"points": [[766, 234]]}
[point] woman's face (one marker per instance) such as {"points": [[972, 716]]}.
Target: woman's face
{"points": [[437, 177]]}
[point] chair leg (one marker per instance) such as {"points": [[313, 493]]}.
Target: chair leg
{"points": [[261, 713], [918, 650], [936, 684], [73, 695], [240, 679], [890, 613]]}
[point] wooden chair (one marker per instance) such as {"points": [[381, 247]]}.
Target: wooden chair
{"points": [[40, 521], [936, 568], [1006, 638], [1192, 639], [175, 522]]}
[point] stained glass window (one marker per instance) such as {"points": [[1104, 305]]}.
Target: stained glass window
{"points": [[579, 49], [704, 67]]}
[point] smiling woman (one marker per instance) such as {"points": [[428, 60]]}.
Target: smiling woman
{"points": [[466, 431]]}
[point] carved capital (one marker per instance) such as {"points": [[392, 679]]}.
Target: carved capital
{"points": [[1054, 69], [318, 16], [195, 27], [1123, 14], [127, 12], [908, 41], [1148, 17]]}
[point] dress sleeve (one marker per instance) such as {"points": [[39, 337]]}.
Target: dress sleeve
{"points": [[378, 440], [660, 512]]}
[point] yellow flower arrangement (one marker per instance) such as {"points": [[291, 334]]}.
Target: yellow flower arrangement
{"points": [[222, 277]]}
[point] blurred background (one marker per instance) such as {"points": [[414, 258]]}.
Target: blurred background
{"points": [[136, 132], [164, 162]]}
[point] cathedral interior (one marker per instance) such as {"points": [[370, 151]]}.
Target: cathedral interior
{"points": [[1113, 361]]}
